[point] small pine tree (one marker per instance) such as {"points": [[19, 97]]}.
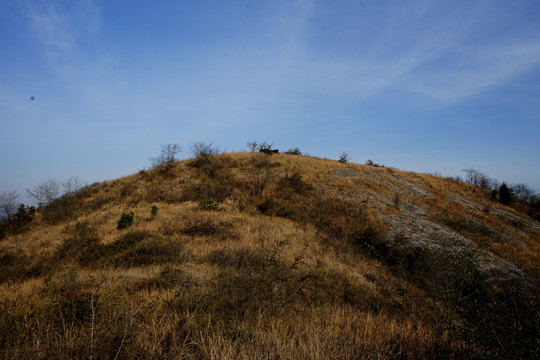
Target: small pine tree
{"points": [[504, 194], [126, 220], [154, 211]]}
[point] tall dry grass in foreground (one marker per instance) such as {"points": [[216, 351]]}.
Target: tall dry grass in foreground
{"points": [[251, 256]]}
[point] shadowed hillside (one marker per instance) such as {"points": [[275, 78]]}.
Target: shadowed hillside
{"points": [[254, 256]]}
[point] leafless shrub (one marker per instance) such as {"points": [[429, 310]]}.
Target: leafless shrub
{"points": [[344, 157], [252, 146], [45, 192], [262, 172], [264, 147], [8, 204], [522, 192], [201, 149], [478, 178], [294, 151], [167, 156], [71, 185]]}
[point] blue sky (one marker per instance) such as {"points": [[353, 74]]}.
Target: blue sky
{"points": [[428, 86]]}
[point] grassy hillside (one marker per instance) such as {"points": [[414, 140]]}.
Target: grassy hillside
{"points": [[251, 255]]}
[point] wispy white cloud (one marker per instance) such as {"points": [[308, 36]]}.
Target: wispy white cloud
{"points": [[69, 36], [438, 59], [482, 69], [62, 26], [51, 27]]}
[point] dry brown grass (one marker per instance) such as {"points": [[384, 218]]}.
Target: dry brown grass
{"points": [[304, 268]]}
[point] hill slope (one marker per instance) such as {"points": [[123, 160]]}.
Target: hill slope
{"points": [[248, 255]]}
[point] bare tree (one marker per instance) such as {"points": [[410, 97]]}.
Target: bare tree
{"points": [[45, 192], [344, 157], [167, 155], [522, 192], [201, 149], [478, 178], [71, 185], [252, 146], [265, 146], [262, 172], [8, 204], [260, 147]]}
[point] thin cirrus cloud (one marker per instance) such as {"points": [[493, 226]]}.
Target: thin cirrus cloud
{"points": [[484, 69], [99, 76], [441, 58], [440, 63], [60, 29]]}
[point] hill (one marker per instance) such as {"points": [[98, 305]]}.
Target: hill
{"points": [[253, 256]]}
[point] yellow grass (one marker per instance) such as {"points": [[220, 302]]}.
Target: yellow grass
{"points": [[245, 285]]}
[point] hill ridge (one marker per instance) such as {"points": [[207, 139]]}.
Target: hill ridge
{"points": [[248, 255]]}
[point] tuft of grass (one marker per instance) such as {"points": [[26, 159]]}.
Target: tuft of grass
{"points": [[316, 278], [202, 224], [151, 250]]}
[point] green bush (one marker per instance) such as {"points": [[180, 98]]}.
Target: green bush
{"points": [[126, 220], [504, 194], [154, 211]]}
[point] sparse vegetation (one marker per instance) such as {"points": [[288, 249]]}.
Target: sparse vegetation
{"points": [[259, 256], [45, 192], [261, 173], [8, 205], [167, 156], [293, 151], [344, 157], [18, 222]]}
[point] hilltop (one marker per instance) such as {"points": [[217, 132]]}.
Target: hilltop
{"points": [[254, 255]]}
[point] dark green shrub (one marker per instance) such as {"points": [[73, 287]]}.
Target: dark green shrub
{"points": [[504, 194], [154, 211], [126, 220]]}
